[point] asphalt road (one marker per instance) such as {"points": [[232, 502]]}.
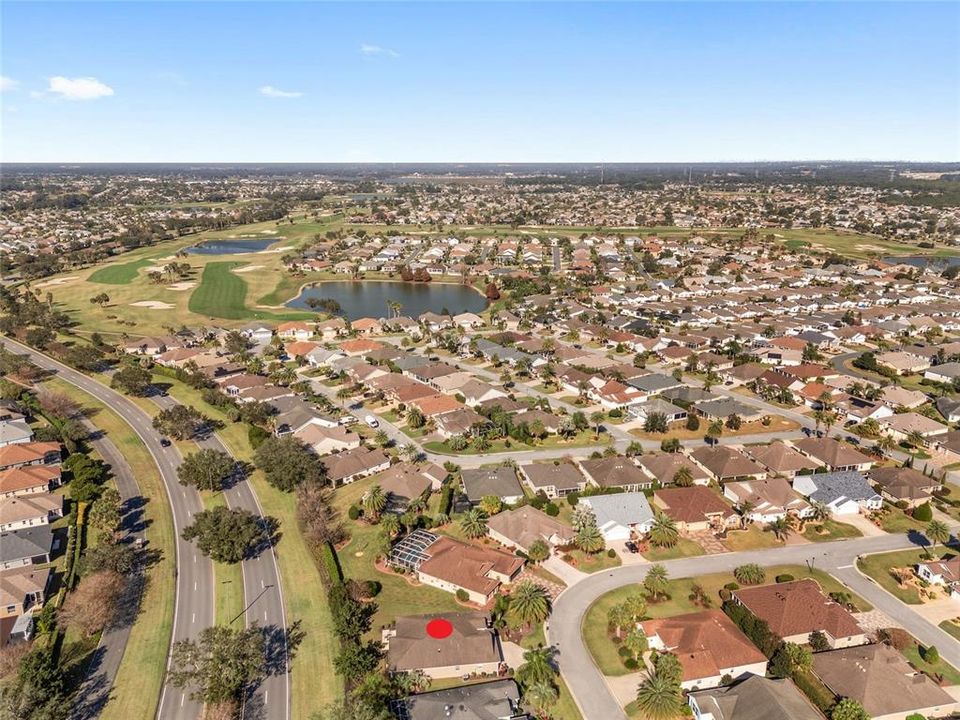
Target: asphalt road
{"points": [[263, 601], [194, 600], [587, 684], [103, 666]]}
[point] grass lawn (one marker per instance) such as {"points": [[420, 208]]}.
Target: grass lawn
{"points": [[896, 521], [139, 680], [680, 432], [314, 685], [951, 627], [591, 563], [685, 547], [830, 530], [222, 293], [604, 650], [879, 566], [753, 538], [941, 667], [119, 273]]}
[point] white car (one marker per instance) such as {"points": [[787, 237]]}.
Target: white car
{"points": [[371, 421]]}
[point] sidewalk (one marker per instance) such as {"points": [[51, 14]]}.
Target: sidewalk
{"points": [[569, 574]]}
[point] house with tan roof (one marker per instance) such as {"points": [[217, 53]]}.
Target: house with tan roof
{"points": [[663, 468], [433, 405], [795, 609], [367, 326], [726, 463], [22, 590], [324, 440], [901, 426], [708, 646], [615, 471], [18, 455], [835, 455], [782, 459], [880, 679], [521, 527], [472, 647], [766, 500], [29, 479], [903, 363], [903, 484], [346, 467], [479, 571], [696, 508], [407, 482], [754, 698], [22, 511], [295, 330], [554, 479]]}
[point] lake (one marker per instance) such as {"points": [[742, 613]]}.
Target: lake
{"points": [[922, 261], [369, 298], [232, 247]]}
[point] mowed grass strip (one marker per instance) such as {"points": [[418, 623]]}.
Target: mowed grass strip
{"points": [[228, 578], [139, 681], [221, 293], [314, 684], [119, 274]]}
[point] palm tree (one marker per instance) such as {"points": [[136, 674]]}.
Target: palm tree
{"points": [[542, 696], [374, 502], [657, 581], [715, 430], [683, 477], [390, 524], [529, 602], [781, 528], [818, 511], [581, 517], [618, 617], [663, 531], [750, 574], [381, 438], [636, 642], [590, 539], [536, 667], [458, 443], [474, 523], [916, 439], [938, 532], [636, 606], [658, 698], [538, 551], [596, 418]]}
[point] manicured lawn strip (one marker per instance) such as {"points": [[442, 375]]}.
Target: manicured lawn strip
{"points": [[833, 531], [941, 667], [221, 293], [896, 521], [313, 682], [685, 547], [878, 567], [120, 273], [228, 579], [604, 651], [951, 628], [596, 562], [139, 681], [753, 538]]}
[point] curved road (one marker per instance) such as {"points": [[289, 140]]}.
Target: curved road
{"points": [[194, 600]]}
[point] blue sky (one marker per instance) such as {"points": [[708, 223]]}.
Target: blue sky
{"points": [[540, 82]]}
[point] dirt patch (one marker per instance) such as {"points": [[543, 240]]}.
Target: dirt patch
{"points": [[153, 305]]}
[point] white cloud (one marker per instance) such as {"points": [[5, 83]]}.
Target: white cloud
{"points": [[85, 88], [378, 50], [273, 92], [7, 84]]}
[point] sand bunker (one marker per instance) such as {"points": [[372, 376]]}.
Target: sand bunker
{"points": [[248, 268], [153, 305], [279, 249], [154, 268], [56, 281], [182, 285]]}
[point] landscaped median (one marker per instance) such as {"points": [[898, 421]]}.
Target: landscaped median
{"points": [[137, 687]]}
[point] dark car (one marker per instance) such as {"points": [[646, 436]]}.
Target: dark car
{"points": [[164, 442], [632, 546]]}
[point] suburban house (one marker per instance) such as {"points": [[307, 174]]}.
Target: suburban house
{"points": [[767, 500], [795, 609], [497, 700], [615, 471], [500, 481], [902, 426], [521, 527], [553, 479], [902, 484], [325, 440], [407, 482], [295, 330], [944, 572], [620, 515], [20, 455], [725, 463], [653, 406], [755, 698], [343, 468], [28, 480], [21, 591], [14, 429], [836, 455], [902, 363], [663, 468], [696, 509], [880, 679], [26, 546], [473, 646], [23, 511], [844, 493], [708, 646], [782, 459], [944, 373]]}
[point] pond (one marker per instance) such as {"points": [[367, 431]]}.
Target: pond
{"points": [[922, 261], [369, 298], [232, 246]]}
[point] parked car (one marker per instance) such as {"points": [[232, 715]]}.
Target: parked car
{"points": [[347, 420], [632, 546], [371, 421]]}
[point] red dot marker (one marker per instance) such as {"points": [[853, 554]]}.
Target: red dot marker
{"points": [[439, 629]]}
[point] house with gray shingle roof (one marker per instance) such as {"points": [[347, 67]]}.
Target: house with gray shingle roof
{"points": [[844, 493]]}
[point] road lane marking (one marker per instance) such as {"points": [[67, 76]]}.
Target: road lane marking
{"points": [[844, 567], [193, 619], [182, 698]]}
